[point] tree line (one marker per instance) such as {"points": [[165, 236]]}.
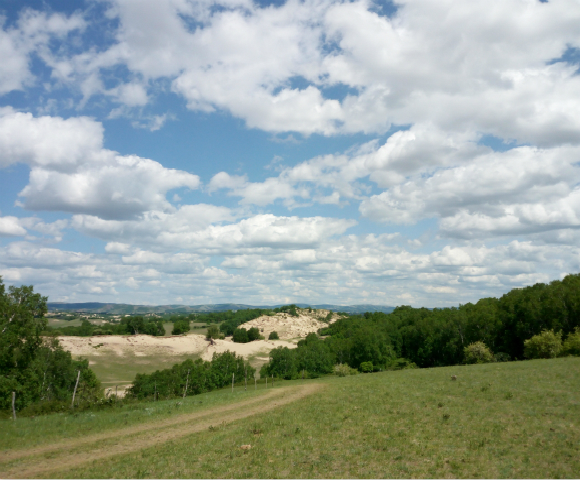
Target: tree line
{"points": [[438, 337], [192, 377]]}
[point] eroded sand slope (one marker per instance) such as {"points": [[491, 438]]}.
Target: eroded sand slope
{"points": [[289, 327]]}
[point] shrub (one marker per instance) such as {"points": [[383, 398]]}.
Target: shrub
{"points": [[366, 367], [342, 370], [273, 336], [477, 352], [572, 344], [545, 345]]}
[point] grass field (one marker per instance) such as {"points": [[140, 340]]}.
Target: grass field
{"points": [[58, 323], [113, 369], [508, 420]]}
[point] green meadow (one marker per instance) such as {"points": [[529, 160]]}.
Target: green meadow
{"points": [[501, 420]]}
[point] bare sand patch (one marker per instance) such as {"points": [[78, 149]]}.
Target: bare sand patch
{"points": [[145, 345]]}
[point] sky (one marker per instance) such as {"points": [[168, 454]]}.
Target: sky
{"points": [[320, 151]]}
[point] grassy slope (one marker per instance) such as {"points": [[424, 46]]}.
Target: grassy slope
{"points": [[518, 419]]}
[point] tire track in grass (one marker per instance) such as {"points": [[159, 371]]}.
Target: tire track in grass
{"points": [[133, 430], [31, 467]]}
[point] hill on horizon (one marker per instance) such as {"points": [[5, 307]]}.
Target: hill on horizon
{"points": [[127, 309]]}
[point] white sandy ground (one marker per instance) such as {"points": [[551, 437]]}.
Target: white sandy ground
{"points": [[145, 345]]}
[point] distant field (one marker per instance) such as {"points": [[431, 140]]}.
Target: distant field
{"points": [[509, 420], [196, 328], [112, 370], [57, 323]]}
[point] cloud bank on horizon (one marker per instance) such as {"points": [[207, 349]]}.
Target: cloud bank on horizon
{"points": [[316, 151]]}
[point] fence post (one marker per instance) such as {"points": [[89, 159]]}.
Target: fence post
{"points": [[186, 383], [272, 380], [13, 407], [233, 382], [255, 383], [75, 392], [246, 379], [266, 381]]}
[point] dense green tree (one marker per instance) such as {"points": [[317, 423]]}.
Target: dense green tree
{"points": [[240, 335], [253, 334], [213, 332], [180, 327], [36, 368]]}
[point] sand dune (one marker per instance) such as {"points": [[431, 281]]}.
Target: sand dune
{"points": [[289, 327]]}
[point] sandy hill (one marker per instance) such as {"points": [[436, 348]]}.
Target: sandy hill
{"points": [[289, 327]]}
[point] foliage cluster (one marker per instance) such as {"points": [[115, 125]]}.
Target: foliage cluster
{"points": [[213, 331], [36, 368], [180, 327], [548, 344], [289, 309], [545, 345], [438, 337], [241, 335], [442, 336], [273, 336], [478, 352], [342, 370], [198, 376], [572, 344]]}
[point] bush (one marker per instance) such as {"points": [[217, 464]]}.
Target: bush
{"points": [[180, 327], [273, 336], [342, 370], [240, 335], [253, 334], [545, 345], [477, 352], [366, 367], [572, 344]]}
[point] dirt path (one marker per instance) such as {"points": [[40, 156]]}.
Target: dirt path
{"points": [[66, 455]]}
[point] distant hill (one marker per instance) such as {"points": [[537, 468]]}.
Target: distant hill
{"points": [[126, 309]]}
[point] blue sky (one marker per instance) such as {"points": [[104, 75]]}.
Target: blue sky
{"points": [[180, 151]]}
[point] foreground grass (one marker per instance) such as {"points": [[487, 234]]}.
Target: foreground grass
{"points": [[513, 420]]}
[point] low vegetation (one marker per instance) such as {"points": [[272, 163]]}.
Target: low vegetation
{"points": [[497, 420]]}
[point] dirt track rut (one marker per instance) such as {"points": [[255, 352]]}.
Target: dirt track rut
{"points": [[65, 455]]}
